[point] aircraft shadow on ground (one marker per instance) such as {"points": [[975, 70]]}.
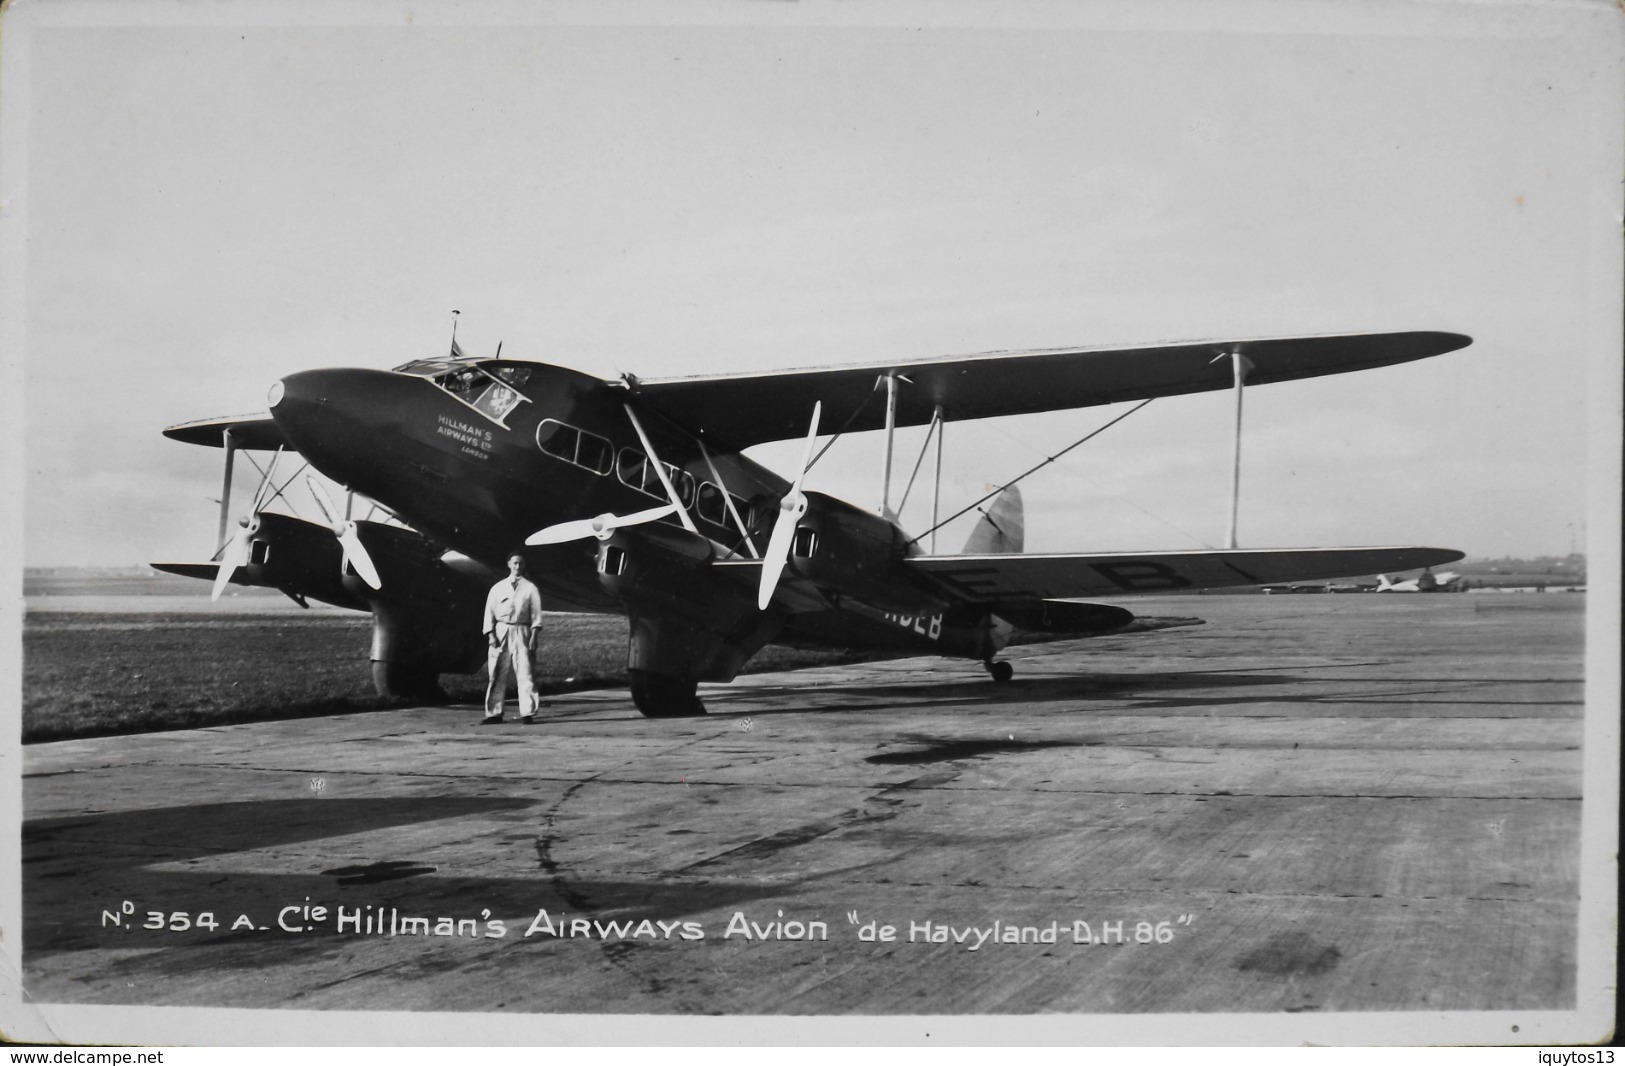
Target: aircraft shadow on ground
{"points": [[984, 693], [168, 834], [76, 868]]}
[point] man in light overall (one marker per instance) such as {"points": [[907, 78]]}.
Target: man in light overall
{"points": [[513, 622]]}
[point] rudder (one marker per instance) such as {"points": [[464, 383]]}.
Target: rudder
{"points": [[1002, 529]]}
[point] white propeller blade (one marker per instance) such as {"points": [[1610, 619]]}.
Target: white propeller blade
{"points": [[601, 527], [235, 552], [791, 510], [355, 553]]}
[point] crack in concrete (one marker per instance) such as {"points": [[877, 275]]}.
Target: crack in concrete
{"points": [[615, 952], [932, 782], [1212, 894]]}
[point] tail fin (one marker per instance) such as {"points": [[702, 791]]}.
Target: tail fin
{"points": [[1002, 529], [1383, 584]]}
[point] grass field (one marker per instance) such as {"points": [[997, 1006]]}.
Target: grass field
{"points": [[98, 674]]}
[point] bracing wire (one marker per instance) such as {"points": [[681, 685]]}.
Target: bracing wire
{"points": [[277, 490], [856, 411], [1024, 474], [1125, 501]]}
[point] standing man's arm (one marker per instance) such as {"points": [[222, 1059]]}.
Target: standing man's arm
{"points": [[490, 623], [535, 618]]}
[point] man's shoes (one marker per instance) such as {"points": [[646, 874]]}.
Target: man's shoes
{"points": [[527, 719], [495, 719]]}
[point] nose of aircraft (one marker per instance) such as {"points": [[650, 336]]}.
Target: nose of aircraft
{"points": [[337, 418]]}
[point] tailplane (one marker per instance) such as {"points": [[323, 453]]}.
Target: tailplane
{"points": [[1002, 529]]}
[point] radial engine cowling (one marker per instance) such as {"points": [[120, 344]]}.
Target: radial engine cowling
{"points": [[856, 554]]}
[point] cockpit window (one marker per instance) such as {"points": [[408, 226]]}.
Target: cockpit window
{"points": [[496, 401], [464, 382], [489, 388], [426, 368]]}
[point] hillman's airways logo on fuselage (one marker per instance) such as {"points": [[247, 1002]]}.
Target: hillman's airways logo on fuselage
{"points": [[474, 441]]}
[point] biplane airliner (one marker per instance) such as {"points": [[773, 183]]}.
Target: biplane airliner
{"points": [[633, 496], [1426, 581]]}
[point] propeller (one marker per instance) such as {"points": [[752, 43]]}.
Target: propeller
{"points": [[791, 508], [601, 527], [237, 551], [355, 553]]}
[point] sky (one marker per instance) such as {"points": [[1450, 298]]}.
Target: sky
{"points": [[201, 199]]}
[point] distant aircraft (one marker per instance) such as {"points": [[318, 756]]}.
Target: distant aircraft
{"points": [[1426, 581], [710, 555]]}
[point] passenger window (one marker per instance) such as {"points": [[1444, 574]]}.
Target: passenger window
{"points": [[683, 482], [594, 453], [586, 450], [629, 467], [711, 507], [557, 439]]}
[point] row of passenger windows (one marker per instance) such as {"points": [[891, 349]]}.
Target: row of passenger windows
{"points": [[633, 469], [575, 446]]}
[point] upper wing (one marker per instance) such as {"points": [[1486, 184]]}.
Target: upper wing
{"points": [[257, 432], [739, 410], [995, 579]]}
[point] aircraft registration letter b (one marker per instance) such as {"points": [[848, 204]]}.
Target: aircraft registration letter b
{"points": [[1141, 577]]}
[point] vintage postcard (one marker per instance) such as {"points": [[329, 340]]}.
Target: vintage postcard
{"points": [[811, 522]]}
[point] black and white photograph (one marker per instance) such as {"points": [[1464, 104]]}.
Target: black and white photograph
{"points": [[811, 522]]}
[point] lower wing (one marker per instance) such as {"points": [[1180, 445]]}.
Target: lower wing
{"points": [[995, 579]]}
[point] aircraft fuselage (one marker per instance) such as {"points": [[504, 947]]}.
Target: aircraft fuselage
{"points": [[480, 472]]}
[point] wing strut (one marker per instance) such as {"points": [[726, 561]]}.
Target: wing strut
{"points": [[936, 489], [225, 489], [891, 434], [728, 500], [660, 471], [1239, 365], [919, 460]]}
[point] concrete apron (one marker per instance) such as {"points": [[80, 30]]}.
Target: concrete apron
{"points": [[1311, 803]]}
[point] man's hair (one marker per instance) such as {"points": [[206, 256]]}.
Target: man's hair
{"points": [[515, 554]]}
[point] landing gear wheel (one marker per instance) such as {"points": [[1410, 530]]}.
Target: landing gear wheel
{"points": [[407, 682], [665, 696], [1000, 671]]}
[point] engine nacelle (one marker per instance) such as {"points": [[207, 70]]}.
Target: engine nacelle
{"points": [[684, 623], [856, 554], [426, 614]]}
